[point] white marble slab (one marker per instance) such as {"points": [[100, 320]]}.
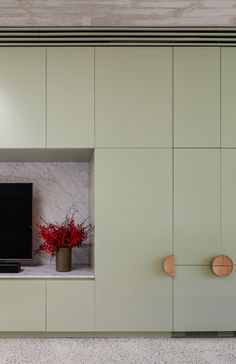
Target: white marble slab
{"points": [[58, 190], [48, 271]]}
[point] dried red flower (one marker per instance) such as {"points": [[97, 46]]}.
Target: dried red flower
{"points": [[68, 234]]}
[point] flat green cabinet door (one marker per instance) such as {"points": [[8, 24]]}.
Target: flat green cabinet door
{"points": [[70, 305], [197, 96], [133, 96], [196, 205], [203, 301], [133, 235], [70, 97], [228, 97], [22, 305], [22, 97], [228, 202]]}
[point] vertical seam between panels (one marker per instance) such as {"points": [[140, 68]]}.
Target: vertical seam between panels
{"points": [[220, 161], [46, 96], [46, 307], [94, 143], [172, 180], [94, 95]]}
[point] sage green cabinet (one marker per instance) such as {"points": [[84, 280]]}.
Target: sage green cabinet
{"points": [[228, 96], [196, 205], [203, 301], [70, 97], [70, 305], [133, 96], [22, 305], [22, 97], [228, 202], [133, 217], [197, 96]]}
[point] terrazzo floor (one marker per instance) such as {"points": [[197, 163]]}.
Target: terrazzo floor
{"points": [[117, 350]]}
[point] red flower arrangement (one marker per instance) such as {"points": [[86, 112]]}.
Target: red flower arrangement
{"points": [[68, 234]]}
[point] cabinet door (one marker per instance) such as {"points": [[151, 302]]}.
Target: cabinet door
{"points": [[196, 205], [203, 301], [22, 305], [228, 202], [133, 96], [196, 96], [22, 97], [228, 97], [70, 305], [133, 235], [70, 97]]}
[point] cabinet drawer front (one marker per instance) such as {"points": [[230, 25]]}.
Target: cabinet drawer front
{"points": [[133, 95], [70, 305], [196, 96], [70, 97], [22, 305], [203, 301]]}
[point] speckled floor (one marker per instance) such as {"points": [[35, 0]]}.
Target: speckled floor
{"points": [[119, 350]]}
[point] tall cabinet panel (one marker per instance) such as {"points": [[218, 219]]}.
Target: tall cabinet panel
{"points": [[197, 97], [203, 301], [133, 96], [196, 205], [228, 198], [133, 235], [228, 96], [70, 97], [22, 97]]}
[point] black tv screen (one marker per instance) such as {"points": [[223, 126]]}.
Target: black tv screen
{"points": [[16, 221]]}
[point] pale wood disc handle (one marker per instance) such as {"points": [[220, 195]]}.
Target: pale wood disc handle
{"points": [[168, 265], [222, 265]]}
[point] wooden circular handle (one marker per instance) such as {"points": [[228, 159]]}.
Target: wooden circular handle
{"points": [[168, 265], [222, 265]]}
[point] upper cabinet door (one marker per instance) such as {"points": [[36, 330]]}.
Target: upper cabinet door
{"points": [[70, 97], [133, 97], [197, 97], [196, 205], [228, 97], [22, 97]]}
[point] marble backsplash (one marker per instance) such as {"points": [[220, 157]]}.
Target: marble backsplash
{"points": [[58, 189]]}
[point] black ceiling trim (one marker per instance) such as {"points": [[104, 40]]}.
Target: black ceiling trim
{"points": [[115, 36]]}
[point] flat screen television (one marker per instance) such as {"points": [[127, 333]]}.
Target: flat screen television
{"points": [[15, 221]]}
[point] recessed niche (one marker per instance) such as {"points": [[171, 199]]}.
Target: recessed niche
{"points": [[59, 188]]}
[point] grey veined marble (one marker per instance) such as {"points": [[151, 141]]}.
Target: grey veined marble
{"points": [[58, 189]]}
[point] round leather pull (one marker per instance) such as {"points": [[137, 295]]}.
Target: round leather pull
{"points": [[168, 265], [222, 265]]}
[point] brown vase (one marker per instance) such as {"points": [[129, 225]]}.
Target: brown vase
{"points": [[63, 260]]}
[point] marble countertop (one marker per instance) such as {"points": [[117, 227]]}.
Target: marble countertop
{"points": [[48, 271]]}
